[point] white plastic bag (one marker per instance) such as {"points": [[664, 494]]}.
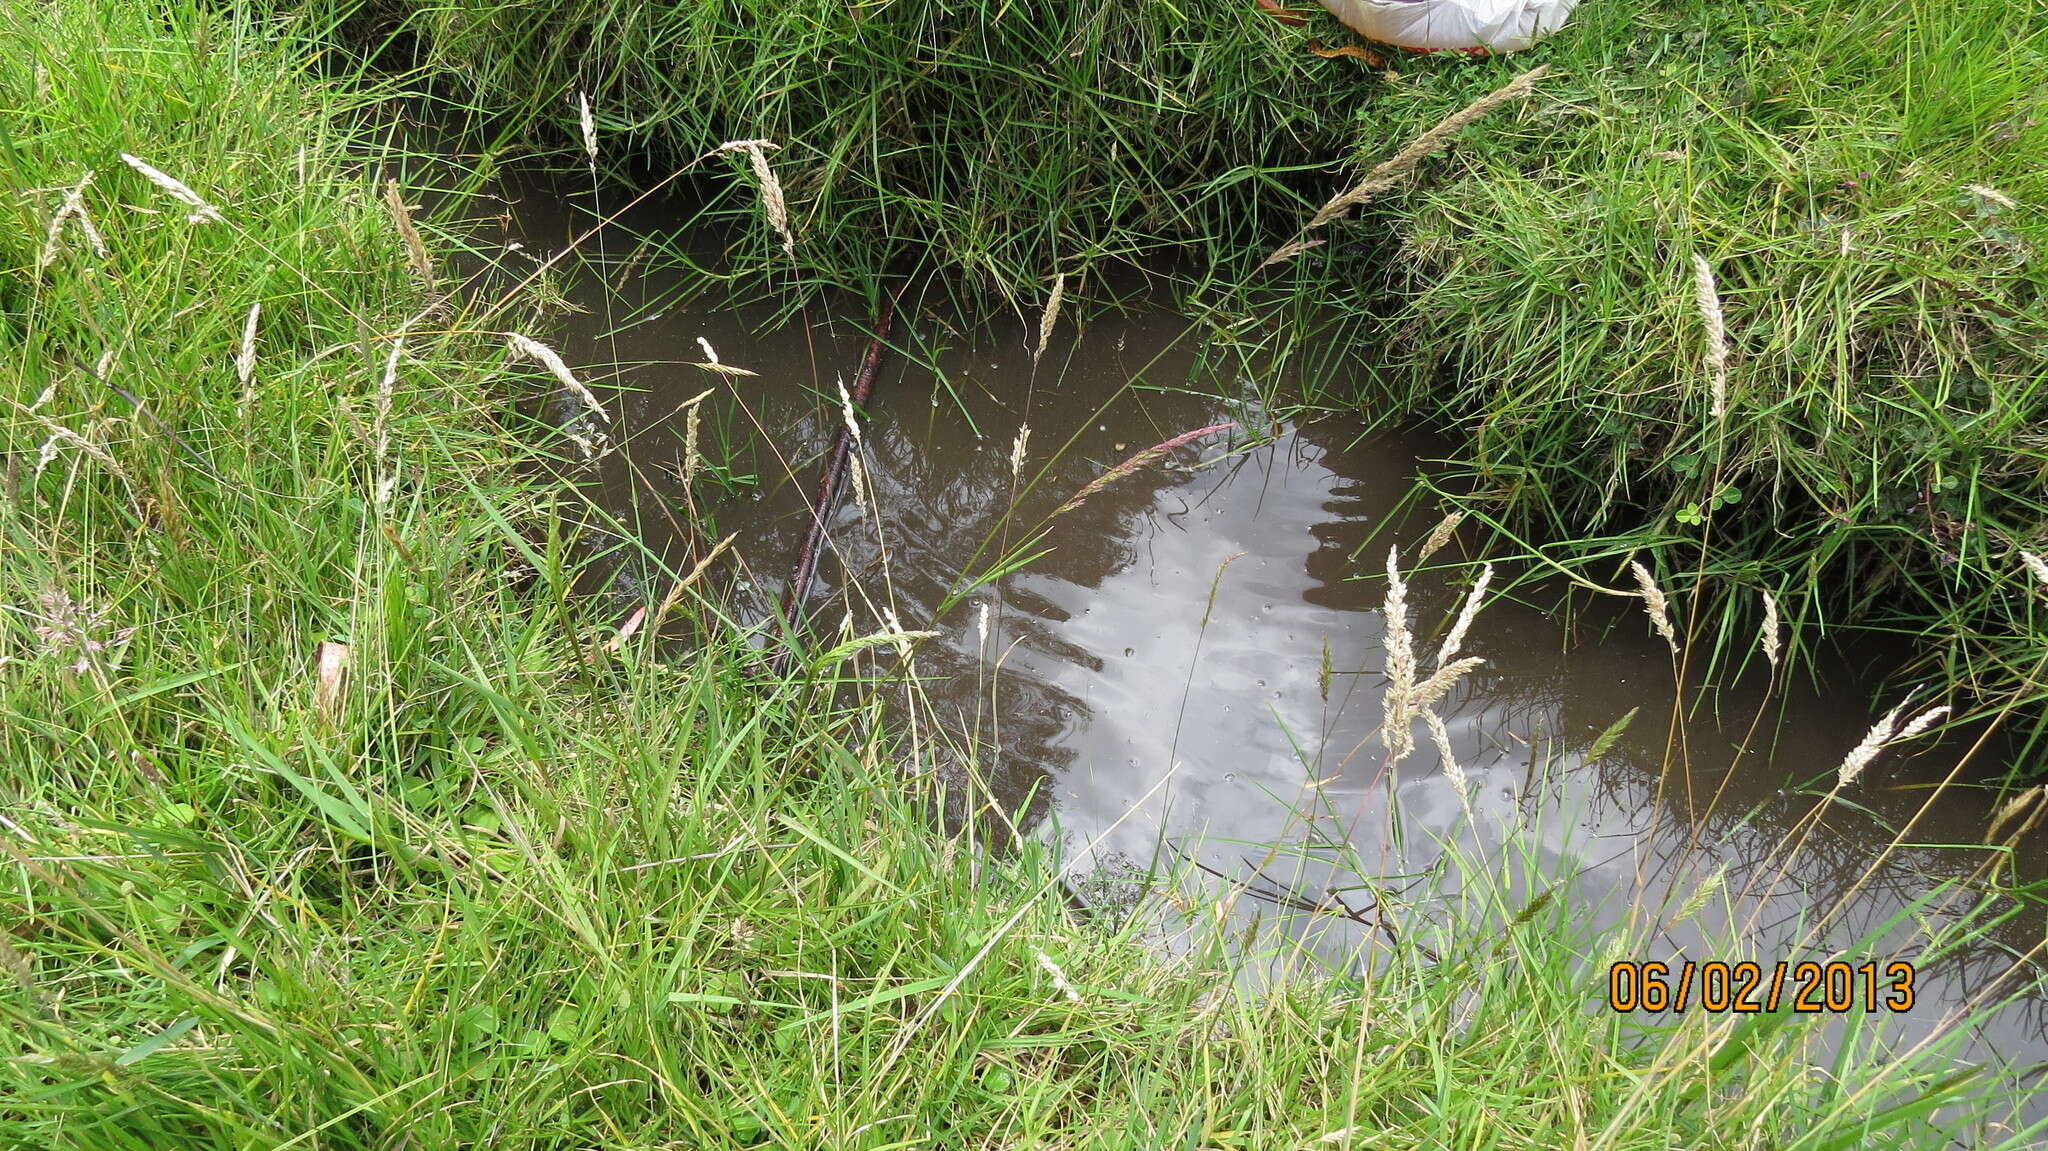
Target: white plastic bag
{"points": [[1435, 25]]}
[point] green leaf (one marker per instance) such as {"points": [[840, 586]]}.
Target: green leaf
{"points": [[914, 987], [156, 1043], [837, 852]]}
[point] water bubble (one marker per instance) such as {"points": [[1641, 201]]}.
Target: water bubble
{"points": [[1230, 777], [1130, 651]]}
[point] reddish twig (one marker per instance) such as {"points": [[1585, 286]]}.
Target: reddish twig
{"points": [[832, 483]]}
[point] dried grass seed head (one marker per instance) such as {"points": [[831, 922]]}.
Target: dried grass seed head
{"points": [[1440, 535], [1050, 316], [1396, 731], [1863, 753], [1136, 461], [1466, 615], [1655, 603], [1452, 769], [72, 209], [588, 124], [1707, 297], [1770, 636], [245, 356], [2036, 565], [547, 357], [772, 203], [201, 210]]}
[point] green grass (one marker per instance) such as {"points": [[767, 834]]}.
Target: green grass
{"points": [[992, 147], [506, 887], [1846, 169], [1879, 465]]}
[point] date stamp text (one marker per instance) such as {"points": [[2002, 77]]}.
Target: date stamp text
{"points": [[1835, 987]]}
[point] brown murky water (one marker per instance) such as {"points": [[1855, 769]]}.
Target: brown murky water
{"points": [[1152, 685]]}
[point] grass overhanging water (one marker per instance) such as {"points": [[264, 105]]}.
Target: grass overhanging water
{"points": [[333, 819], [1860, 179]]}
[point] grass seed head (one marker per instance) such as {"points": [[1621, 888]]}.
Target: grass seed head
{"points": [[546, 357], [846, 410], [416, 256], [690, 457], [1919, 723], [245, 356], [1137, 461], [1770, 636], [1863, 753], [711, 362], [1440, 535], [1051, 315], [1655, 603], [772, 203], [1991, 195], [1439, 684], [1396, 732], [1059, 978], [77, 630], [1453, 641], [2014, 806], [61, 436], [1391, 171], [1701, 895], [691, 409], [1708, 298], [1288, 251], [201, 210], [2036, 565], [83, 219], [675, 594], [858, 472], [1441, 736], [588, 124], [73, 208]]}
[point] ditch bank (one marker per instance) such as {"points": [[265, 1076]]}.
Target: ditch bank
{"points": [[1843, 194]]}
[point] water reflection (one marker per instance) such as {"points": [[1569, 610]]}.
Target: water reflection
{"points": [[1192, 665]]}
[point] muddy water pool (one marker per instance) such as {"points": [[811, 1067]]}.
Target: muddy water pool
{"points": [[1191, 666]]}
